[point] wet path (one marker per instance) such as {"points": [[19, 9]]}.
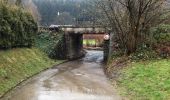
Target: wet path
{"points": [[77, 80]]}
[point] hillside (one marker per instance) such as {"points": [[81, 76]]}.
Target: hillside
{"points": [[17, 65]]}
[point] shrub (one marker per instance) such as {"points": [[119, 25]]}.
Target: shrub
{"points": [[17, 27], [144, 53], [52, 43], [163, 50], [59, 49], [161, 34]]}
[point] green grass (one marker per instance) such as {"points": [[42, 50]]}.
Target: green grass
{"points": [[89, 42], [17, 65], [146, 80]]}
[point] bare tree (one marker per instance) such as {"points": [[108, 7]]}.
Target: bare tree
{"points": [[131, 20]]}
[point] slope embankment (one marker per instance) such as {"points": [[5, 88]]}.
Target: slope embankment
{"points": [[16, 65]]}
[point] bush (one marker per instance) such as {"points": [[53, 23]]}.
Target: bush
{"points": [[17, 27], [59, 49], [163, 50], [52, 43], [161, 34], [144, 53]]}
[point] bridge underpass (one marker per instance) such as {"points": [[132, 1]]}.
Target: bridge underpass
{"points": [[74, 40]]}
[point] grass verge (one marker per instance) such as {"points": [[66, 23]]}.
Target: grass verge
{"points": [[17, 65], [148, 80]]}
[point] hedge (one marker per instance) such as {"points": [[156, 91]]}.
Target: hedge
{"points": [[17, 27]]}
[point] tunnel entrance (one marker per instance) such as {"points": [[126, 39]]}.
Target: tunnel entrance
{"points": [[78, 43], [77, 39]]}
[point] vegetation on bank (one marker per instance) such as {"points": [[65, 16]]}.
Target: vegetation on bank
{"points": [[17, 27], [145, 74], [18, 64], [20, 55], [146, 80], [52, 43]]}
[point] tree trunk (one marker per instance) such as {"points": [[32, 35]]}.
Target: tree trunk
{"points": [[131, 44]]}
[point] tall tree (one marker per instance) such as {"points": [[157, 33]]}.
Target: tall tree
{"points": [[131, 20]]}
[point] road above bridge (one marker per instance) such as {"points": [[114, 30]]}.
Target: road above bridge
{"points": [[82, 79]]}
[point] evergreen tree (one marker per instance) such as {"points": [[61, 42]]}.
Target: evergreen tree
{"points": [[18, 2], [17, 27]]}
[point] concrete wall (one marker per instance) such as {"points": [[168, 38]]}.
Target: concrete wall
{"points": [[74, 44], [106, 50], [108, 47]]}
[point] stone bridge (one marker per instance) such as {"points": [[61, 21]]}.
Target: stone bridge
{"points": [[74, 39]]}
